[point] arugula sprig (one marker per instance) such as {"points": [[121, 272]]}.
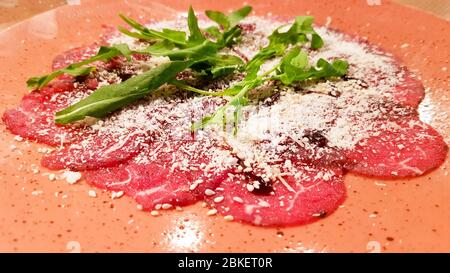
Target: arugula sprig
{"points": [[288, 72], [293, 67], [171, 43], [195, 52], [229, 25], [104, 54], [143, 33], [216, 65], [228, 22], [300, 32], [168, 42]]}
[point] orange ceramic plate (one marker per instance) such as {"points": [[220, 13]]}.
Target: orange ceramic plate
{"points": [[393, 215]]}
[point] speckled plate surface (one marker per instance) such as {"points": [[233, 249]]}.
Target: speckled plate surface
{"points": [[37, 214]]}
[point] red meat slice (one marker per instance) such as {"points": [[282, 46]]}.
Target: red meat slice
{"points": [[97, 150], [411, 149], [294, 201], [38, 127], [34, 118], [158, 181], [410, 92]]}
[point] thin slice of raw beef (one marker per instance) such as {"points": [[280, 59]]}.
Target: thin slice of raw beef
{"points": [[97, 150], [292, 200], [34, 117], [410, 92], [409, 147], [171, 173]]}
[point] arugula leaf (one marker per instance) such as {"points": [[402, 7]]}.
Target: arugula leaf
{"points": [[213, 65], [236, 16], [297, 33], [105, 53], [293, 63], [134, 24], [304, 26], [109, 98], [263, 55], [316, 41], [159, 48], [230, 21], [195, 35], [165, 48], [207, 48], [123, 49], [336, 68], [174, 36], [279, 41], [218, 65], [221, 65], [299, 61], [213, 31], [219, 17], [230, 37], [294, 67], [39, 82], [135, 35]]}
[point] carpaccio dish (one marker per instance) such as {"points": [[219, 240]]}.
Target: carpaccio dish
{"points": [[282, 164]]}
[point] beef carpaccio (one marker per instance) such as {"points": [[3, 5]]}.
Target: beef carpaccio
{"points": [[285, 163]]}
